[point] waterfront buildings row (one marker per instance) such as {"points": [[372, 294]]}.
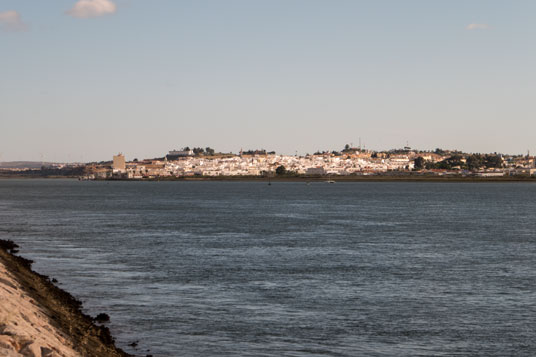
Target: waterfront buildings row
{"points": [[354, 162]]}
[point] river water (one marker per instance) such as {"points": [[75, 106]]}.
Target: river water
{"points": [[247, 269]]}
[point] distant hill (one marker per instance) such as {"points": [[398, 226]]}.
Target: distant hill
{"points": [[23, 164]]}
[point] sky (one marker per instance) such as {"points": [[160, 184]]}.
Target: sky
{"points": [[83, 80]]}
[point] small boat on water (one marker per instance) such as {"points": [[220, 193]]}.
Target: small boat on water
{"points": [[330, 180]]}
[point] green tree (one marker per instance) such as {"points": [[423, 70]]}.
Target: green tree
{"points": [[474, 162], [281, 170], [419, 163], [493, 161]]}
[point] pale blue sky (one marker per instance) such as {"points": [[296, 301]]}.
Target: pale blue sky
{"points": [[283, 75]]}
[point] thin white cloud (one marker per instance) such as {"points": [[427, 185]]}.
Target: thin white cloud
{"points": [[477, 27], [11, 21], [92, 8]]}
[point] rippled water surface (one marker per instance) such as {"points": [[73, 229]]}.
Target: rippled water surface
{"points": [[247, 269]]}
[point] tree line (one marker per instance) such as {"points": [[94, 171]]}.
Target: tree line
{"points": [[457, 161]]}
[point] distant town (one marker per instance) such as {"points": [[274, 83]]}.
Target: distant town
{"points": [[349, 162]]}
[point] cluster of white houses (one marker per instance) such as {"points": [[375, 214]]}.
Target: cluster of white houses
{"points": [[355, 162]]}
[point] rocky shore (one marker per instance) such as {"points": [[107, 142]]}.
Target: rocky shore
{"points": [[39, 319]]}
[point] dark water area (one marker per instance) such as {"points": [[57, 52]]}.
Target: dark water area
{"points": [[247, 269]]}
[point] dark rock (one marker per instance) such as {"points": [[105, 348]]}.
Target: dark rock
{"points": [[105, 336], [9, 246], [46, 352], [102, 317], [25, 262]]}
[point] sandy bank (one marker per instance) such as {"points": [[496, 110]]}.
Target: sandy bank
{"points": [[39, 319]]}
